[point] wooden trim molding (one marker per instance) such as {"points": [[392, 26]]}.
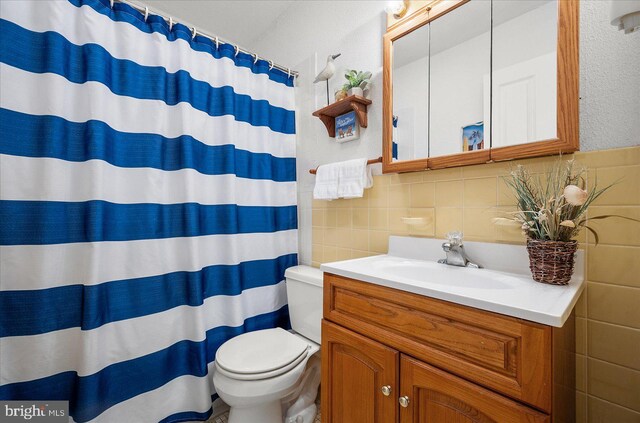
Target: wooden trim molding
{"points": [[567, 140], [461, 159]]}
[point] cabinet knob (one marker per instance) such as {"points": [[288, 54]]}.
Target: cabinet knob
{"points": [[404, 401], [386, 390]]}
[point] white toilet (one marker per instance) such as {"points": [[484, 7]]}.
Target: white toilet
{"points": [[256, 372]]}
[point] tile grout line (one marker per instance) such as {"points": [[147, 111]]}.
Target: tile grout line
{"points": [[612, 364], [613, 403], [587, 253], [609, 323]]}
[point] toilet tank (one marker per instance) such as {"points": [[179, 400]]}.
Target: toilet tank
{"points": [[304, 292]]}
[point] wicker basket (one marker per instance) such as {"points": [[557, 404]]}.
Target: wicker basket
{"points": [[551, 261]]}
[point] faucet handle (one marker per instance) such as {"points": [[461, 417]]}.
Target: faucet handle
{"points": [[455, 237]]}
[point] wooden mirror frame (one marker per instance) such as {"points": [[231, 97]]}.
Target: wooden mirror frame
{"points": [[568, 136]]}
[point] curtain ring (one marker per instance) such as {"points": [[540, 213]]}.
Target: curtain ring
{"points": [[217, 43], [237, 51], [111, 2], [270, 64], [170, 23], [146, 13], [255, 58], [288, 73], [194, 31]]}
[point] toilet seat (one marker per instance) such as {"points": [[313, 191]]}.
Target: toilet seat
{"points": [[261, 354]]}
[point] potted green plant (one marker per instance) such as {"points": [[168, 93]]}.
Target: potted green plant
{"points": [[357, 82], [552, 209]]}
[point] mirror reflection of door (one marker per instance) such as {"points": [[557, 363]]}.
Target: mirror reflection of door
{"points": [[525, 39]]}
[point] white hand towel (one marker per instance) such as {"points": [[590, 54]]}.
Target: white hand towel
{"points": [[353, 177], [326, 187]]}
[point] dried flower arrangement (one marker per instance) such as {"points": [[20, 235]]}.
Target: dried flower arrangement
{"points": [[552, 210], [552, 206]]}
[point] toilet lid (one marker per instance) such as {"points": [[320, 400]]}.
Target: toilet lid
{"points": [[261, 351]]}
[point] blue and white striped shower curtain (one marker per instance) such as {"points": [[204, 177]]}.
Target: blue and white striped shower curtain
{"points": [[147, 208]]}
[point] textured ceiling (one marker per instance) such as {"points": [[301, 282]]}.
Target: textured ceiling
{"points": [[239, 21]]}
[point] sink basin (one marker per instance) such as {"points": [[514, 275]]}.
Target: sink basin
{"points": [[503, 286], [429, 272]]}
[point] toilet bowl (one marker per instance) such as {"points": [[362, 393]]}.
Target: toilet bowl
{"points": [[256, 371], [256, 395]]}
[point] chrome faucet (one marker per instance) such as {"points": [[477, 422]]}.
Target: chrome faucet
{"points": [[456, 256]]}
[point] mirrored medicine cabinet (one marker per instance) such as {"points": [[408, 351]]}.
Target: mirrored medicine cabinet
{"points": [[474, 81]]}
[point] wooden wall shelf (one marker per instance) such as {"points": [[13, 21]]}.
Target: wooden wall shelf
{"points": [[354, 102]]}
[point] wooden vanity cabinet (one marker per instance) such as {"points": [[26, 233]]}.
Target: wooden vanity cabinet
{"points": [[356, 368], [395, 356], [439, 396]]}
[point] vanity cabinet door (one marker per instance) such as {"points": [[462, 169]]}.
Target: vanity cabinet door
{"points": [[431, 395], [354, 371]]}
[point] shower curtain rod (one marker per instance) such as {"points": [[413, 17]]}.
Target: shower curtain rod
{"points": [[145, 10]]}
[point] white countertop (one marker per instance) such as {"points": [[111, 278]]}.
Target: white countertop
{"points": [[506, 288]]}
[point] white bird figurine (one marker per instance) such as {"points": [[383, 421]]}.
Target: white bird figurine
{"points": [[328, 70]]}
